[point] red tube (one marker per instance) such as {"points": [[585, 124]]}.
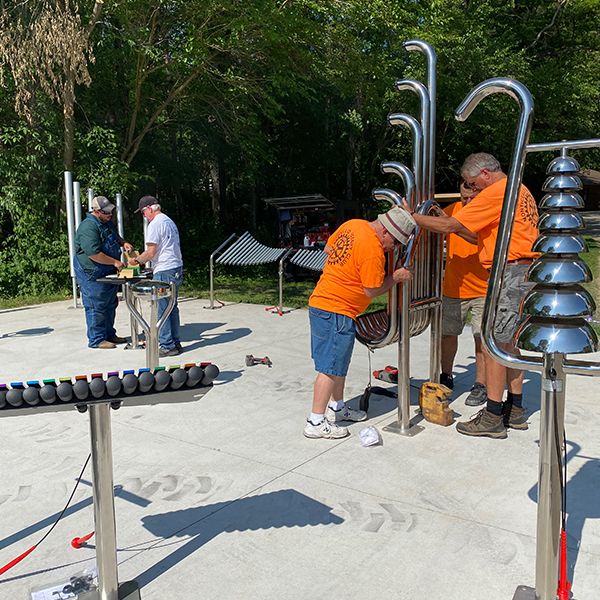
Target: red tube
{"points": [[80, 541], [17, 560], [564, 585]]}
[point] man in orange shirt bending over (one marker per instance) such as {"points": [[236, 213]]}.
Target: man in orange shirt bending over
{"points": [[353, 274], [465, 286], [478, 222]]}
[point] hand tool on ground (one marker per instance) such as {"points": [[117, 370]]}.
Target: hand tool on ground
{"points": [[255, 360]]}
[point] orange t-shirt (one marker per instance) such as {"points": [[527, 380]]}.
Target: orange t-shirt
{"points": [[464, 277], [482, 216], [356, 261]]}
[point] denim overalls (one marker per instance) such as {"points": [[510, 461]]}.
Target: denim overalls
{"points": [[100, 299]]}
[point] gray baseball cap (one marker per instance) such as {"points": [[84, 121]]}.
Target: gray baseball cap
{"points": [[103, 204]]}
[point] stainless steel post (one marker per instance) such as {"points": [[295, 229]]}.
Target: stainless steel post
{"points": [[70, 230], [119, 207], [77, 203], [133, 324], [104, 507], [404, 362], [152, 291], [152, 344], [211, 269], [552, 414]]}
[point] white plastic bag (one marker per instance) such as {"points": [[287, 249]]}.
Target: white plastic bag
{"points": [[369, 436]]}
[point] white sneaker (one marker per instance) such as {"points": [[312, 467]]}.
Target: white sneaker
{"points": [[325, 430], [345, 414]]}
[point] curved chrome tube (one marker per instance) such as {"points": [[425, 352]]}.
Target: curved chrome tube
{"points": [[431, 57], [395, 168], [417, 138], [418, 88], [520, 93], [387, 332], [391, 196]]}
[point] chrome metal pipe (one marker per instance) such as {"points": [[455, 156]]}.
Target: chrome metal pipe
{"points": [[552, 414], [119, 209], [211, 269], [430, 55], [68, 179], [402, 171], [391, 196], [133, 324], [521, 94], [77, 203], [417, 145], [404, 362], [418, 88], [152, 328], [564, 145], [104, 506]]}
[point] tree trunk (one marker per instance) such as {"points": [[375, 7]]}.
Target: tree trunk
{"points": [[215, 188], [69, 124]]}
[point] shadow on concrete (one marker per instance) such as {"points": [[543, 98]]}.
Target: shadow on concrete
{"points": [[227, 377], [28, 332], [283, 508], [49, 521], [582, 501], [201, 336]]}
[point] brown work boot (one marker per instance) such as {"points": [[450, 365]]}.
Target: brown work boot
{"points": [[106, 345], [484, 424], [514, 417], [118, 340]]}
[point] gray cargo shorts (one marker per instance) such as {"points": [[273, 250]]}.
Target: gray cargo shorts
{"points": [[513, 290], [455, 312]]}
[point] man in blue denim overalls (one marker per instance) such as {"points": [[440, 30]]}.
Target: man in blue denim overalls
{"points": [[97, 254]]}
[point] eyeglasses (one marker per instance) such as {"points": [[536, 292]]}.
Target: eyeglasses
{"points": [[469, 186], [472, 186]]}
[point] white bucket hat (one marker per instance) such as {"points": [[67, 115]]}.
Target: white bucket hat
{"points": [[398, 222]]}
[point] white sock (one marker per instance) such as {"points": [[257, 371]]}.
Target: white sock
{"points": [[316, 418], [337, 404]]}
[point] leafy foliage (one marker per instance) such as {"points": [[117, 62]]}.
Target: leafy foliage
{"points": [[214, 105]]}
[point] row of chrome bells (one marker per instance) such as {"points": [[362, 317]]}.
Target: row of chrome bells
{"points": [[558, 308]]}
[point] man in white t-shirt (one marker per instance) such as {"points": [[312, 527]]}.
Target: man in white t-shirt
{"points": [[164, 250]]}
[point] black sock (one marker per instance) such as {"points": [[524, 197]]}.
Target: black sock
{"points": [[515, 399], [494, 407]]}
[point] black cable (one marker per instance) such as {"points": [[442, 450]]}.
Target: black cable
{"points": [[27, 552], [561, 451], [64, 510]]}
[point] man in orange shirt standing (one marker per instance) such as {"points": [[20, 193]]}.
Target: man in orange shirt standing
{"points": [[478, 222], [353, 274], [465, 286]]}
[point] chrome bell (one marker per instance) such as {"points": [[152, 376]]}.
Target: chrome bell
{"points": [[556, 243], [572, 301], [574, 336], [561, 200], [558, 221], [559, 271], [562, 183], [563, 164]]}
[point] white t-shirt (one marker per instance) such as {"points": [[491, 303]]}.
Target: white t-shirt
{"points": [[163, 232]]}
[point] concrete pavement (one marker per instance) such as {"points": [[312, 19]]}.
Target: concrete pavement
{"points": [[225, 498]]}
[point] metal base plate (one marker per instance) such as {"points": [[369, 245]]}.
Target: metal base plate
{"points": [[128, 590], [396, 427], [524, 592]]}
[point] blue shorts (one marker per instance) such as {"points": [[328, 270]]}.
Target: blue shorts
{"points": [[331, 341]]}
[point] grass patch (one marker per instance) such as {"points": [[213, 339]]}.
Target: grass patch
{"points": [[19, 301]]}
